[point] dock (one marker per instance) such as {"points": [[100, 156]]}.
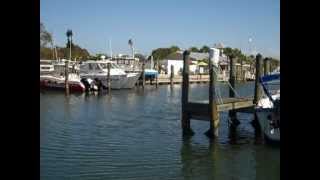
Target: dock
{"points": [[209, 110], [165, 79]]}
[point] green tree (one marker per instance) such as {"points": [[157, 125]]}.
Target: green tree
{"points": [[194, 49], [140, 57], [174, 49], [204, 49], [45, 36], [162, 53], [233, 53]]}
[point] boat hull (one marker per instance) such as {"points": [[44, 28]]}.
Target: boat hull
{"points": [[57, 83], [271, 134], [117, 82], [131, 80]]}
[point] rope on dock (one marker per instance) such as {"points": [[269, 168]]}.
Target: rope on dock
{"points": [[235, 92]]}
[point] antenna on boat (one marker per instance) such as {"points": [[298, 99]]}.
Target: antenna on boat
{"points": [[110, 48]]}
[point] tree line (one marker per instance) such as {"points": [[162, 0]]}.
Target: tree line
{"points": [[50, 51]]}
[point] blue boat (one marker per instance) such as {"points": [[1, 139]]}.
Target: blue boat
{"points": [[150, 74]]}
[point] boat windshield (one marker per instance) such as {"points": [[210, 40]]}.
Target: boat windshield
{"points": [[105, 66], [44, 62]]}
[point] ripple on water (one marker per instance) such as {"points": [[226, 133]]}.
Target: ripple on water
{"points": [[136, 134]]}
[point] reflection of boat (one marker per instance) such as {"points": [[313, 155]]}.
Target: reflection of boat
{"points": [[98, 70], [58, 82], [268, 108]]}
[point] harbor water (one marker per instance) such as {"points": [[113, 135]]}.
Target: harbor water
{"points": [[136, 134]]}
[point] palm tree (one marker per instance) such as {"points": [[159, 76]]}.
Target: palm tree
{"points": [[69, 36]]}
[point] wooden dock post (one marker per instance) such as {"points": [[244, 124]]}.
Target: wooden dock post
{"points": [[266, 64], [143, 75], [232, 81], [257, 87], [185, 119], [241, 70], [171, 75], [213, 111], [66, 70], [157, 68], [257, 94], [108, 78]]}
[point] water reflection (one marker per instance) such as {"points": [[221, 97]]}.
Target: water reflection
{"points": [[211, 160], [197, 160], [67, 114], [137, 134]]}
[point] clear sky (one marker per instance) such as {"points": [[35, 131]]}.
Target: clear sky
{"points": [[162, 23]]}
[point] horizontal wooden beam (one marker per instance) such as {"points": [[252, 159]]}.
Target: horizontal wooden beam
{"points": [[200, 109], [234, 106]]}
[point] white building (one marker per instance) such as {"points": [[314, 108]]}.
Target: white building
{"points": [[176, 59]]}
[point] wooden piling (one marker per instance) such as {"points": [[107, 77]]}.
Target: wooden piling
{"points": [[171, 75], [157, 68], [257, 87], [213, 111], [266, 64], [143, 75], [108, 78], [185, 119], [232, 113], [66, 70], [242, 74]]}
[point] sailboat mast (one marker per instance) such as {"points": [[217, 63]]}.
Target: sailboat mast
{"points": [[110, 48]]}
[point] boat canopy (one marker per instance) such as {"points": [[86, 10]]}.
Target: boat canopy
{"points": [[266, 81], [269, 78]]}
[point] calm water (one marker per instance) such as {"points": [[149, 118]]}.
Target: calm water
{"points": [[136, 134]]}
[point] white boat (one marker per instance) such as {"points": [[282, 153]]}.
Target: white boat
{"points": [[55, 81], [46, 67], [98, 70], [268, 108]]}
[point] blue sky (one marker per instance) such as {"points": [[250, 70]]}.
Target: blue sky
{"points": [[162, 23]]}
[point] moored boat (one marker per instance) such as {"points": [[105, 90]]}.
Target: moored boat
{"points": [[98, 71], [268, 108], [57, 82]]}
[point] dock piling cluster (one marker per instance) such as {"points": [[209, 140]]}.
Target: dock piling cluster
{"points": [[209, 110]]}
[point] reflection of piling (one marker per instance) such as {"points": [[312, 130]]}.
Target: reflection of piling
{"points": [[109, 79], [66, 77], [185, 120], [171, 75], [232, 113]]}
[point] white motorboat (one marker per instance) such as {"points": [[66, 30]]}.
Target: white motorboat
{"points": [[46, 67], [55, 81], [268, 108], [98, 70]]}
